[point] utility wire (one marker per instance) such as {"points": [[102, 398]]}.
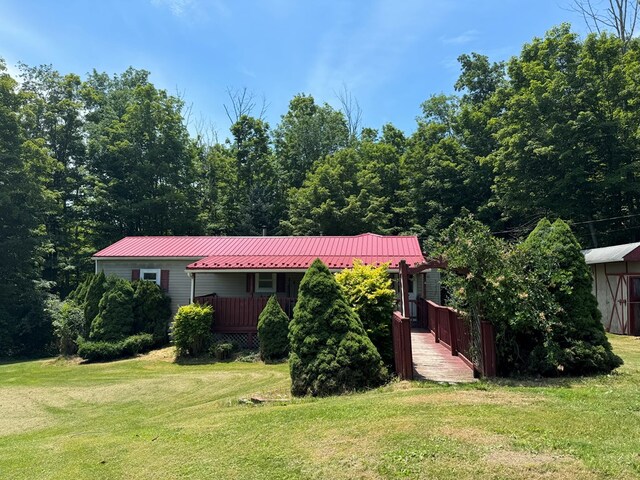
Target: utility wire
{"points": [[527, 225]]}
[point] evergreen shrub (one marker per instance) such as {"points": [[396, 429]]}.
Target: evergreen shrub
{"points": [[330, 350], [151, 310], [115, 319], [222, 350], [96, 287], [79, 294], [100, 351], [273, 331], [191, 329], [138, 343], [580, 343]]}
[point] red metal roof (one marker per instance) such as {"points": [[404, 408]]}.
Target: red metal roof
{"points": [[231, 253]]}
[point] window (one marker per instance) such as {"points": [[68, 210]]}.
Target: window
{"points": [[150, 275], [265, 282]]}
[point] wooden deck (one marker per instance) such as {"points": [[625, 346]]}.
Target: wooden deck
{"points": [[433, 361]]}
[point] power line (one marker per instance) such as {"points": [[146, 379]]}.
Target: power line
{"points": [[606, 219], [527, 225]]}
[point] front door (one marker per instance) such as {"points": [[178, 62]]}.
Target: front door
{"points": [[634, 305]]}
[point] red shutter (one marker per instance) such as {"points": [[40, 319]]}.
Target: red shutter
{"points": [[135, 274], [251, 282], [164, 280], [280, 283]]}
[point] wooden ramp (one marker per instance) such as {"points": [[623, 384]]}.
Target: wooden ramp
{"points": [[433, 361]]}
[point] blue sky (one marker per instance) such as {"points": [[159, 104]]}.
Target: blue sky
{"points": [[390, 54]]}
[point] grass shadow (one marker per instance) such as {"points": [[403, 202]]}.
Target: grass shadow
{"points": [[540, 382], [203, 360]]}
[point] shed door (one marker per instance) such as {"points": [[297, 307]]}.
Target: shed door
{"points": [[634, 305], [619, 318]]}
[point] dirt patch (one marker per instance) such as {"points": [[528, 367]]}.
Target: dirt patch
{"points": [[512, 458], [20, 412], [538, 465], [402, 386], [474, 436], [473, 397], [63, 361], [167, 354]]}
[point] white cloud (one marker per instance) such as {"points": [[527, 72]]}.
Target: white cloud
{"points": [[365, 57], [465, 37], [451, 64], [194, 9]]}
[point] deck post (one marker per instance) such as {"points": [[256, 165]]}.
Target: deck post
{"points": [[193, 286], [404, 288]]}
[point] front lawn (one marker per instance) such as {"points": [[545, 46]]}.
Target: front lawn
{"points": [[151, 418]]}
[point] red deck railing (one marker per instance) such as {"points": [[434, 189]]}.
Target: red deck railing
{"points": [[453, 331], [403, 355], [240, 314]]}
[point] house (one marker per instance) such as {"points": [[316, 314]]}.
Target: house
{"points": [[238, 274], [616, 285]]}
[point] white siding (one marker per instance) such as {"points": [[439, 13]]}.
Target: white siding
{"points": [[223, 284], [228, 284], [432, 285], [231, 284], [179, 282]]}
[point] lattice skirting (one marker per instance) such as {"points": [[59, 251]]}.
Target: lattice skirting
{"points": [[242, 340]]}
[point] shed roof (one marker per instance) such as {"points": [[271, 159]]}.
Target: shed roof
{"points": [[616, 253], [287, 253]]}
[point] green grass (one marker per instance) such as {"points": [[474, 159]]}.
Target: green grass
{"points": [[152, 418]]}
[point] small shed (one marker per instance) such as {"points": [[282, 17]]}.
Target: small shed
{"points": [[616, 285]]}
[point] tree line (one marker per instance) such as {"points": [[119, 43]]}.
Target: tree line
{"points": [[87, 160]]}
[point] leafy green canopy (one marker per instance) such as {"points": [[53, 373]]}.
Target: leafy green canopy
{"points": [[24, 202], [369, 291], [68, 324], [330, 350], [273, 330], [567, 134]]}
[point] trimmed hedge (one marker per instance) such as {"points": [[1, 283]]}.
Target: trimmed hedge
{"points": [[104, 351], [191, 330]]}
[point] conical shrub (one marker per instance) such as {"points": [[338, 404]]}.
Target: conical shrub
{"points": [[577, 343], [273, 330], [330, 350], [94, 292]]}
